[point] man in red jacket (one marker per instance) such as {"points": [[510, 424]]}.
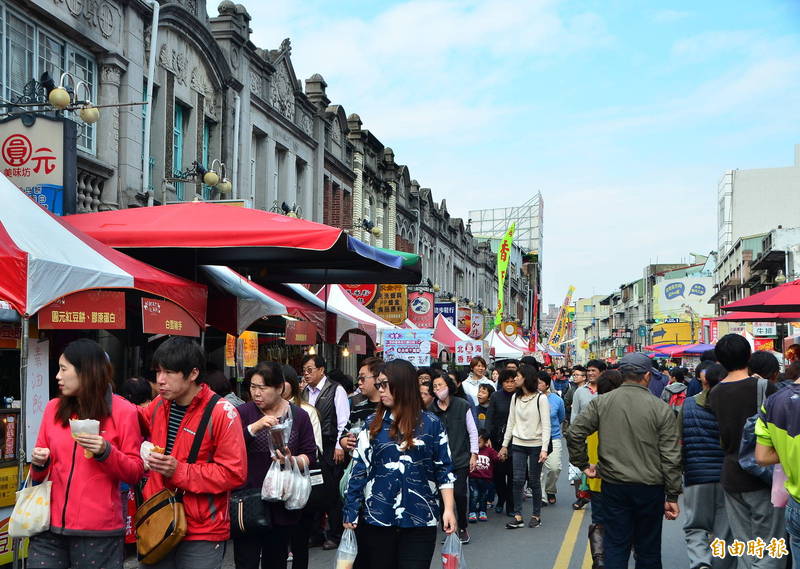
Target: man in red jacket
{"points": [[173, 418]]}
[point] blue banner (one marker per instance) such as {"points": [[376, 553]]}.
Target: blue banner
{"points": [[447, 310]]}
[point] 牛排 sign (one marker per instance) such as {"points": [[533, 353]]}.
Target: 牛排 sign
{"points": [[85, 310], [165, 317]]}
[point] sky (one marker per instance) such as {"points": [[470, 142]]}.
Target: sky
{"points": [[624, 114]]}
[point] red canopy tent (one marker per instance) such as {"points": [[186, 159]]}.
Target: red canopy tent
{"points": [[782, 298], [759, 317], [446, 333]]}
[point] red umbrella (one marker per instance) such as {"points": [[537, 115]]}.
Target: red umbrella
{"points": [[269, 246], [782, 298], [760, 317]]}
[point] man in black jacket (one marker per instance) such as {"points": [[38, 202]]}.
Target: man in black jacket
{"points": [[496, 419]]}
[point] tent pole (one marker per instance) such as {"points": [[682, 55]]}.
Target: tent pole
{"points": [[23, 387]]}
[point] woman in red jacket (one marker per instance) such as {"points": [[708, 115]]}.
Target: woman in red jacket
{"points": [[86, 527]]}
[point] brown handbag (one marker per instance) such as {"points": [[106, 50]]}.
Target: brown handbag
{"points": [[161, 521]]}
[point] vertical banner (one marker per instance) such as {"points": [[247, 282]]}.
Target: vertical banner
{"points": [[503, 256], [464, 319], [38, 387], [230, 350], [391, 304], [558, 335], [420, 309], [476, 325], [447, 310], [249, 348]]}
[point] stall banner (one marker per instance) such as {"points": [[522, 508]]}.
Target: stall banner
{"points": [[464, 319], [10, 335], [503, 256], [765, 329], [391, 303], [446, 309], [420, 309], [466, 350], [300, 333], [10, 441], [764, 344], [411, 345], [559, 333], [249, 348], [37, 389], [357, 343], [476, 325], [230, 350], [363, 293], [36, 160], [166, 317], [85, 310]]}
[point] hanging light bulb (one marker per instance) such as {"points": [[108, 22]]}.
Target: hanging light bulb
{"points": [[89, 114], [312, 351], [224, 186], [345, 352], [376, 231], [211, 178], [59, 98]]}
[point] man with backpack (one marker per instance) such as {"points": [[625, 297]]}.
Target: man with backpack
{"points": [[200, 452], [733, 401], [675, 393]]}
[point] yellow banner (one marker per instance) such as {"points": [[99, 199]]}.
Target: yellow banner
{"points": [[565, 315], [503, 257], [250, 348]]}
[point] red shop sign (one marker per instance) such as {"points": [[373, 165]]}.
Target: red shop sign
{"points": [[420, 309], [300, 333], [86, 310], [166, 317], [363, 293], [357, 343]]}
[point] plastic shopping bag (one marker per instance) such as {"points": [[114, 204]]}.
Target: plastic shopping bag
{"points": [[452, 557], [31, 513], [301, 487], [780, 495], [274, 487], [347, 552], [574, 473]]}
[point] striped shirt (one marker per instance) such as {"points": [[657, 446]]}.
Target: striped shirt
{"points": [[176, 414]]}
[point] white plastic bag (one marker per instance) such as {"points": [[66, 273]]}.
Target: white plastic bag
{"points": [[301, 487], [780, 495], [274, 487], [348, 550], [31, 513], [452, 556], [574, 473]]}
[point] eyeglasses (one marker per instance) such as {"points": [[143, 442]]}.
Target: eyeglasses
{"points": [[257, 387], [365, 377], [308, 369], [382, 384]]}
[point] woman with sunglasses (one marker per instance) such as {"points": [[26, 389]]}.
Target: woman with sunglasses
{"points": [[399, 462]]}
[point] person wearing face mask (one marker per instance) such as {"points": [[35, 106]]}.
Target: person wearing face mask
{"points": [[477, 377], [456, 415]]}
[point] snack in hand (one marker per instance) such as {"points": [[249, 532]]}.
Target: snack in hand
{"points": [[85, 427]]}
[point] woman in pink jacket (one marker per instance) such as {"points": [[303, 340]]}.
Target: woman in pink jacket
{"points": [[86, 523]]}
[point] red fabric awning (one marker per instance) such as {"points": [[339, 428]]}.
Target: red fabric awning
{"points": [[447, 334], [783, 298], [759, 317]]}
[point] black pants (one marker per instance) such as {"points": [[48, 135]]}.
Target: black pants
{"points": [[331, 502], [461, 494], [298, 540], [269, 549], [397, 548], [637, 511], [504, 484]]}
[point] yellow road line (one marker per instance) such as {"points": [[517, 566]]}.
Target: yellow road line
{"points": [[568, 545], [587, 557]]}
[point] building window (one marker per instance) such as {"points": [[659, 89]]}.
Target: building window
{"points": [[181, 115], [29, 49], [207, 126]]}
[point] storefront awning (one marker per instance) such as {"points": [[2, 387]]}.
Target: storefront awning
{"points": [[43, 258], [344, 322], [252, 302], [344, 302]]}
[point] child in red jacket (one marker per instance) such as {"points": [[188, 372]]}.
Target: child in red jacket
{"points": [[481, 484]]}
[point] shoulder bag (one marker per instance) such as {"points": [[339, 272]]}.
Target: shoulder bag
{"points": [[160, 521]]}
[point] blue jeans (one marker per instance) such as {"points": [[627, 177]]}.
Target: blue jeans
{"points": [[637, 511], [527, 458], [479, 492], [793, 528]]}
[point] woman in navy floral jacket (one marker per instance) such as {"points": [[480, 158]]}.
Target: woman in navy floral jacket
{"points": [[400, 463]]}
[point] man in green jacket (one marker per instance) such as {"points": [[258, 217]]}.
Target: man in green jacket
{"points": [[639, 462]]}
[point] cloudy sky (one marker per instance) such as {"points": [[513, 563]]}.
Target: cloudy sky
{"points": [[622, 113]]}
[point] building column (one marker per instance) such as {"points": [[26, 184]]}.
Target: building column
{"points": [[308, 193], [270, 185], [107, 128], [327, 201], [289, 186], [390, 219], [358, 195]]}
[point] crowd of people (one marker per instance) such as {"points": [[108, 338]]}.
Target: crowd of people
{"points": [[403, 452]]}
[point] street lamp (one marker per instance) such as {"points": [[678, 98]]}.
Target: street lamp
{"points": [[780, 278], [371, 227]]}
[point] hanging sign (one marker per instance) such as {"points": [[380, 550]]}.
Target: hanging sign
{"points": [[765, 329], [300, 333], [166, 317], [10, 335], [411, 345], [763, 344], [37, 389], [249, 348], [476, 325], [363, 293], [357, 343], [466, 350], [503, 258], [230, 350], [391, 303], [420, 309], [509, 329], [85, 310], [464, 319], [447, 310]]}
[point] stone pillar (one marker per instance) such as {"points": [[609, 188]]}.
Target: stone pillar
{"points": [[107, 128], [327, 210], [289, 185], [308, 192], [271, 188], [390, 219], [358, 195]]}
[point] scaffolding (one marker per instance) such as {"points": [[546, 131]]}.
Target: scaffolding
{"points": [[493, 223]]}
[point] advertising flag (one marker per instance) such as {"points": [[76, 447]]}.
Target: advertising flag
{"points": [[559, 333], [503, 256]]}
